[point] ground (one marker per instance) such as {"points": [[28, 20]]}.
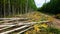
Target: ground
{"points": [[50, 27], [36, 17]]}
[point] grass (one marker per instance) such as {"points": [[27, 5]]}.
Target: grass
{"points": [[41, 28]]}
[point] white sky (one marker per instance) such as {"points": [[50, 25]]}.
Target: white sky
{"points": [[39, 3]]}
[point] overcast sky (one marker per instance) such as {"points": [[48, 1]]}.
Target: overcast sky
{"points": [[39, 3]]}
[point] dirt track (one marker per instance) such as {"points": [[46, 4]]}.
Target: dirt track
{"points": [[56, 23]]}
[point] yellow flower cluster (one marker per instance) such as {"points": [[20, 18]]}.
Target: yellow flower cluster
{"points": [[36, 28], [36, 17], [50, 19], [44, 25]]}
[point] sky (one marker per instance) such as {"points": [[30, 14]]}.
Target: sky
{"points": [[39, 3]]}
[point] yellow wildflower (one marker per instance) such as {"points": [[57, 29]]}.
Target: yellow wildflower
{"points": [[44, 25], [36, 28], [50, 19]]}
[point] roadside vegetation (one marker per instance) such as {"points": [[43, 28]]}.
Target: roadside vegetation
{"points": [[42, 28], [51, 8]]}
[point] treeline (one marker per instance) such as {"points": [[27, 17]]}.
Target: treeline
{"points": [[52, 7], [13, 7]]}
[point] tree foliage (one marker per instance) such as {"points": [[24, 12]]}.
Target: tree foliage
{"points": [[52, 7], [16, 6]]}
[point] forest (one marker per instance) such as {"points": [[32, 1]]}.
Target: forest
{"points": [[9, 7], [52, 7], [41, 20], [13, 7]]}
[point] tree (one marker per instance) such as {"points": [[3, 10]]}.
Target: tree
{"points": [[52, 7], [15, 7]]}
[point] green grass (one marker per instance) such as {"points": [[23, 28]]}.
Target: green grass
{"points": [[53, 30]]}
